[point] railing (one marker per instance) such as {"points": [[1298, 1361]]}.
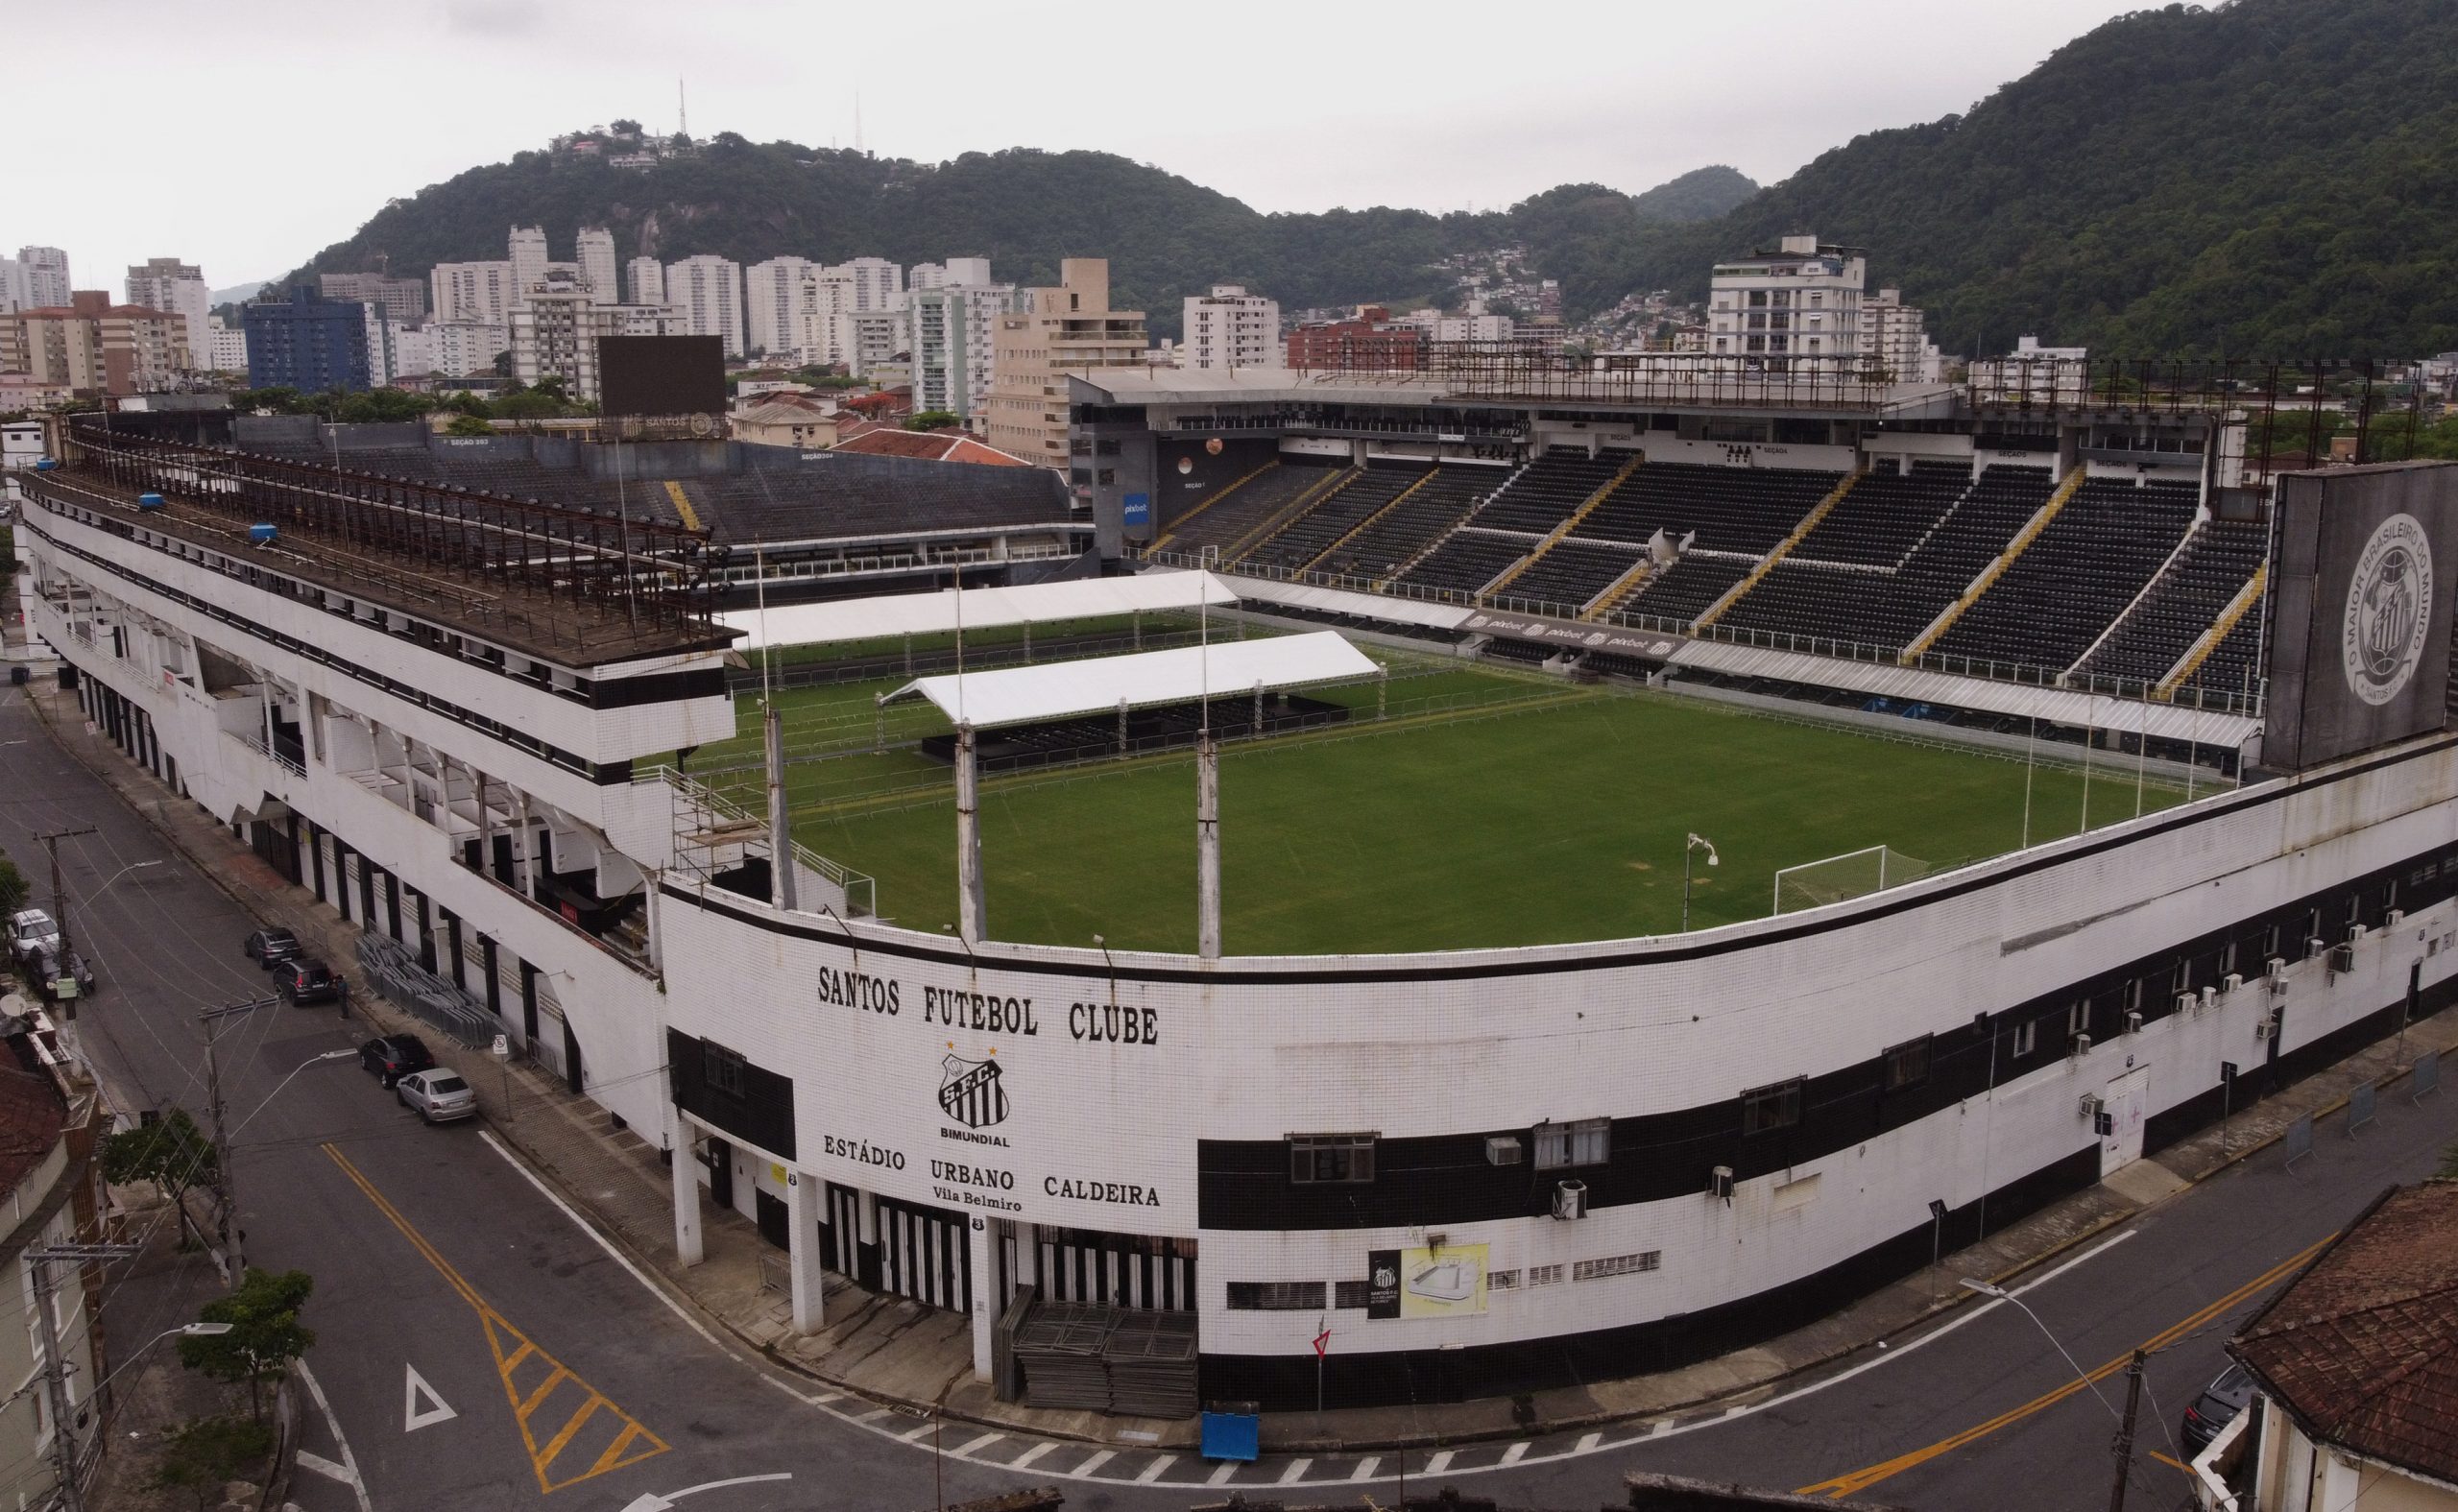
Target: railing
{"points": [[255, 741], [861, 892]]}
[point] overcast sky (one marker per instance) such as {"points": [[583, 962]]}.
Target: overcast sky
{"points": [[245, 135]]}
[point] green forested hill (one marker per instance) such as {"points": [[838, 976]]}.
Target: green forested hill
{"points": [[2272, 177]]}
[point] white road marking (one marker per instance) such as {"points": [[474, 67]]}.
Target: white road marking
{"points": [[1098, 1459], [1587, 1443], [618, 1256], [1031, 1455], [1365, 1468], [1659, 1428], [414, 1390], [922, 1432], [1296, 1472], [1221, 1476], [968, 1450], [348, 1466], [1515, 1453], [1152, 1470], [1441, 1462], [877, 1413]]}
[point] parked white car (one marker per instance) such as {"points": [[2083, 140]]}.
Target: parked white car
{"points": [[30, 930], [439, 1096]]}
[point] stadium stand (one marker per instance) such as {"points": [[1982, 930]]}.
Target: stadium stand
{"points": [[1467, 559], [1412, 524], [2187, 600], [2235, 664], [1731, 509], [1806, 597], [1574, 572], [1315, 529], [1878, 521], [1550, 491], [2080, 572], [1682, 591], [1237, 514]]}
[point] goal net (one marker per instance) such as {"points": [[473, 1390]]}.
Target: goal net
{"points": [[1813, 883]]}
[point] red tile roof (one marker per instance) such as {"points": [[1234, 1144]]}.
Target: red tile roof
{"points": [[937, 446], [2362, 1348], [32, 1115]]}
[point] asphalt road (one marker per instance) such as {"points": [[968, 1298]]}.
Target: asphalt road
{"points": [[479, 1348]]}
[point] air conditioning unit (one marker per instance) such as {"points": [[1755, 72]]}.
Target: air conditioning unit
{"points": [[2342, 959], [2081, 1045], [2090, 1105], [2315, 944], [2187, 1002], [1503, 1149], [2263, 1025], [2233, 981], [1720, 1182], [2276, 973], [2356, 934], [1570, 1200], [2133, 1021], [2397, 917]]}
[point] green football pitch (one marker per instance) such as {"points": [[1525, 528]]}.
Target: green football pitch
{"points": [[1486, 808]]}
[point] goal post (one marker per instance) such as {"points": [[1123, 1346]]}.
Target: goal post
{"points": [[1874, 869]]}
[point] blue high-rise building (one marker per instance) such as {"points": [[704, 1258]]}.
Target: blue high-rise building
{"points": [[310, 344]]}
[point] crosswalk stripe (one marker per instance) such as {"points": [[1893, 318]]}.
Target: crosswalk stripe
{"points": [[924, 1431], [978, 1444], [1031, 1455], [1099, 1458], [1296, 1471], [1587, 1443], [1366, 1467], [1221, 1476], [1439, 1463], [1152, 1470], [1515, 1453]]}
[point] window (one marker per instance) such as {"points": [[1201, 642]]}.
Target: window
{"points": [[1907, 1065], [1355, 1293], [1275, 1296], [2025, 1039], [2078, 1018], [1617, 1265], [1766, 1108], [1317, 1158], [1587, 1143], [721, 1068], [1543, 1274]]}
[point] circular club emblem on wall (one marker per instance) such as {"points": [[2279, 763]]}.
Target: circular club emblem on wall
{"points": [[2389, 611]]}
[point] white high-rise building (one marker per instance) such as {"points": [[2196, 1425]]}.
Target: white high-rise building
{"points": [[166, 283], [556, 333], [595, 250], [879, 284], [1797, 308], [873, 340], [708, 291], [226, 345], [775, 294], [1228, 327], [36, 277], [949, 332], [822, 335], [1896, 337], [465, 348], [925, 275], [413, 350], [647, 277], [528, 255], [472, 291]]}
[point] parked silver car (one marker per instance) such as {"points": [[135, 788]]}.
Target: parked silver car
{"points": [[439, 1096]]}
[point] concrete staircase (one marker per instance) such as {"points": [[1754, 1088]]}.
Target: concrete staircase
{"points": [[2246, 598], [1996, 568], [1179, 523], [1781, 549], [1341, 478]]}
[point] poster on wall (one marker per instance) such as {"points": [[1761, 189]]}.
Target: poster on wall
{"points": [[1443, 1284], [1383, 1284]]}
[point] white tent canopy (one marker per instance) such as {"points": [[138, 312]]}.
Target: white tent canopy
{"points": [[1099, 685], [973, 608]]}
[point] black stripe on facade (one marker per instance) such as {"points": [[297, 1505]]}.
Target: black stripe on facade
{"points": [[762, 1115]]}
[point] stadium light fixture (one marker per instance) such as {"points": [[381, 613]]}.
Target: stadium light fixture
{"points": [[1695, 843]]}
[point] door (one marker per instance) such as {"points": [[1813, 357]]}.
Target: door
{"points": [[926, 1254], [770, 1214], [2127, 1101], [841, 1232]]}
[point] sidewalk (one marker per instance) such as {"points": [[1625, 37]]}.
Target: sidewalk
{"points": [[900, 1353]]}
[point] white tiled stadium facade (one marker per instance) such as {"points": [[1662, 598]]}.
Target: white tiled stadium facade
{"points": [[954, 1123]]}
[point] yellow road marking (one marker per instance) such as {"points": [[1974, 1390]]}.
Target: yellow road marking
{"points": [[1862, 1480], [683, 504], [512, 1350], [2167, 1461]]}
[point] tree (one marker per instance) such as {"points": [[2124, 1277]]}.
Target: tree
{"points": [[171, 1152], [933, 420], [469, 425], [208, 1454], [265, 1338], [625, 128], [12, 886]]}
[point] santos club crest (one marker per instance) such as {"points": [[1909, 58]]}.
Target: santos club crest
{"points": [[2389, 611], [970, 1093]]}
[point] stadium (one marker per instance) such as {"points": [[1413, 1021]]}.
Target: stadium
{"points": [[1545, 874]]}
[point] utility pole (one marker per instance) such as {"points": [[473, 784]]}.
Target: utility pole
{"points": [[58, 898], [2124, 1432], [233, 1237], [55, 1365]]}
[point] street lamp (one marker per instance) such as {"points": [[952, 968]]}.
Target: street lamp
{"points": [[193, 1330], [1695, 843], [2001, 1294], [225, 1190]]}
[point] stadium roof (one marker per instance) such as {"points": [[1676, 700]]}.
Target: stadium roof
{"points": [[1100, 685], [842, 620]]}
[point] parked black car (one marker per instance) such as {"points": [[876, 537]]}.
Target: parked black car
{"points": [[2216, 1407], [303, 980], [269, 947], [394, 1056]]}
